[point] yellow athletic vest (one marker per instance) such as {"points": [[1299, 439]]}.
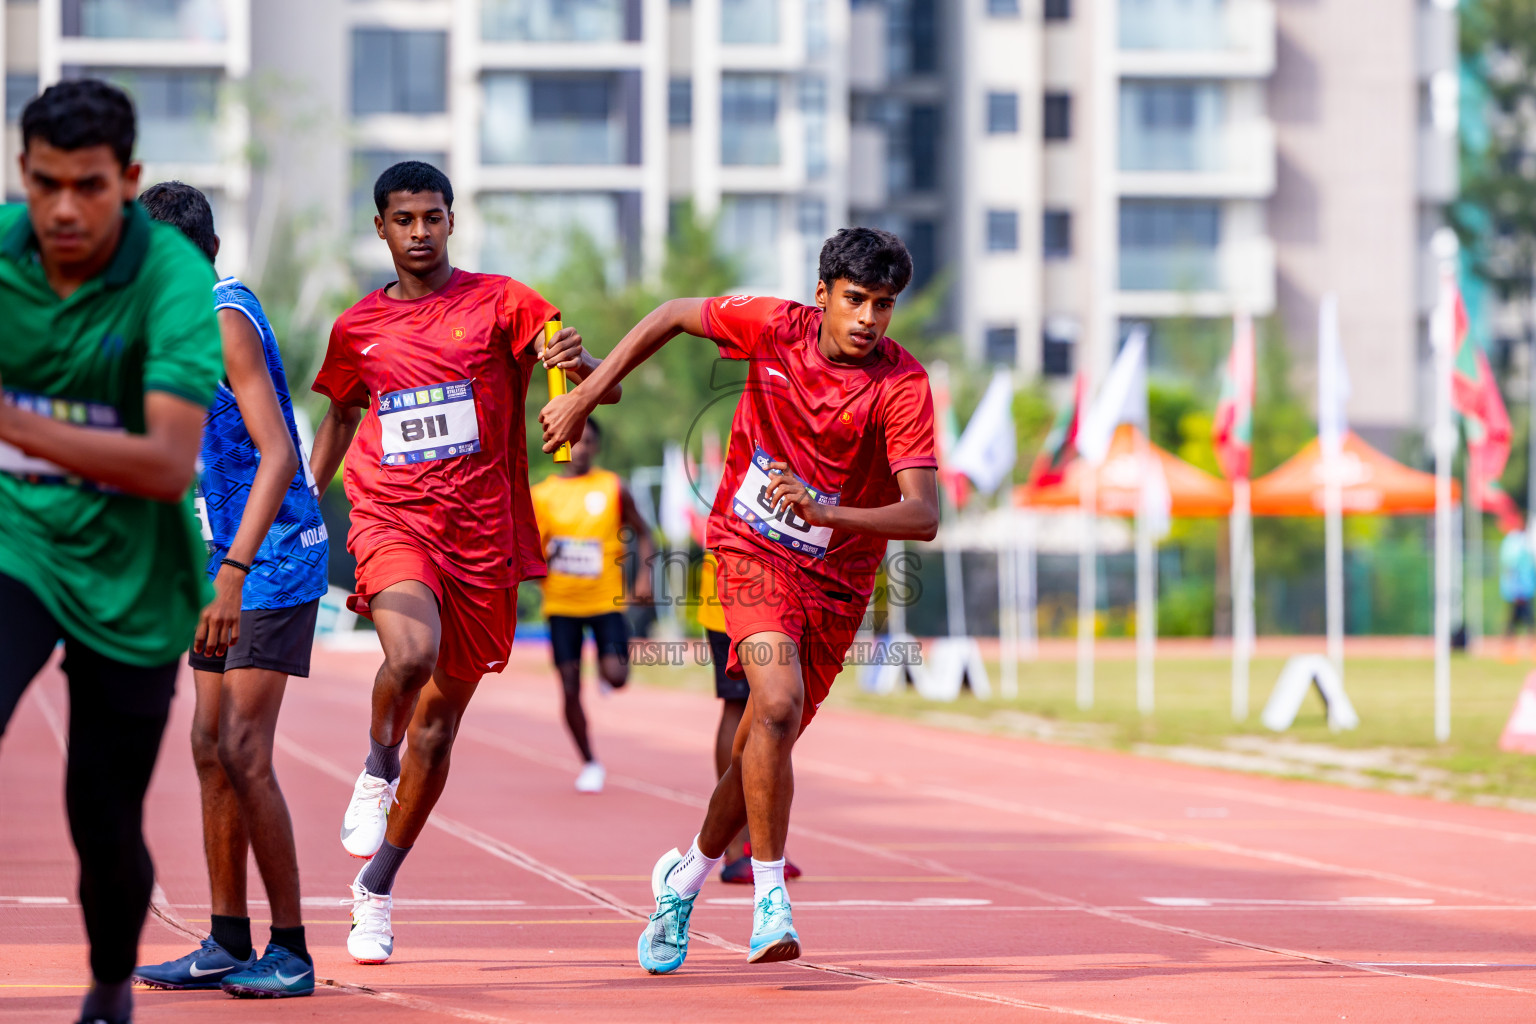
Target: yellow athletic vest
{"points": [[711, 614], [579, 520]]}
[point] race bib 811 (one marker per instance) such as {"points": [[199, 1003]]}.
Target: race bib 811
{"points": [[784, 527], [422, 424]]}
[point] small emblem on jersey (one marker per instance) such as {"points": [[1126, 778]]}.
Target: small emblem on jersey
{"points": [[847, 417], [370, 348], [776, 373], [458, 334], [737, 300], [595, 501]]}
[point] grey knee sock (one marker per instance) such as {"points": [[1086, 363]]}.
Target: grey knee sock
{"points": [[379, 875], [383, 762]]}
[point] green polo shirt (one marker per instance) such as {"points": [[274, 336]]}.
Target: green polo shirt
{"points": [[122, 574]]}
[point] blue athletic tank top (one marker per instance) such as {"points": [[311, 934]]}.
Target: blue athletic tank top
{"points": [[290, 565]]}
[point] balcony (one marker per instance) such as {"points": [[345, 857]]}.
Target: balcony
{"points": [[1439, 165], [178, 112], [1197, 38], [868, 165], [186, 20], [577, 120], [559, 21], [749, 22], [1238, 274], [1233, 160]]}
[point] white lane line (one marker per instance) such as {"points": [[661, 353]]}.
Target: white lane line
{"points": [[35, 901], [937, 867], [1433, 963], [946, 744], [937, 903], [1342, 901], [512, 855]]}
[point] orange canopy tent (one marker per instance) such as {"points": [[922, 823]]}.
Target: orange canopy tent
{"points": [[1194, 492], [1373, 484]]}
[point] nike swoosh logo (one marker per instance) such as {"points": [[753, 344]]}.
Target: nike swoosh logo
{"points": [[198, 972], [289, 981], [370, 348]]}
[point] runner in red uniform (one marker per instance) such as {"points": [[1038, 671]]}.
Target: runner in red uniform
{"points": [[442, 522], [831, 455]]}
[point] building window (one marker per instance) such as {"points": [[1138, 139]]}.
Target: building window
{"points": [[1058, 115], [1056, 234], [19, 90], [680, 102], [1002, 113], [1171, 126], [191, 20], [1058, 10], [177, 111], [1002, 230], [749, 120], [528, 235], [1002, 8], [396, 72], [1169, 245], [367, 165], [748, 229], [1002, 345], [749, 22], [577, 119], [1057, 341], [559, 21]]}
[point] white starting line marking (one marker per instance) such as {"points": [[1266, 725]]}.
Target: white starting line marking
{"points": [[1342, 901], [34, 901], [933, 901], [1431, 963]]}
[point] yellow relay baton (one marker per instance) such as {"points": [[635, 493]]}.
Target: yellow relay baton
{"points": [[556, 383]]}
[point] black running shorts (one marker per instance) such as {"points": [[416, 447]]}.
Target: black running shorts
{"points": [[609, 631], [726, 688], [276, 639]]}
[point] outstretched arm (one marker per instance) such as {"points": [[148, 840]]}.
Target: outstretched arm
{"points": [[565, 417], [914, 517], [332, 439], [157, 464], [565, 352]]}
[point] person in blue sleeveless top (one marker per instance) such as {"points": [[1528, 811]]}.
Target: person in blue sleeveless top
{"points": [[267, 557]]}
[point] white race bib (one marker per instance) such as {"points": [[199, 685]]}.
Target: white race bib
{"points": [[422, 424], [577, 556], [783, 527]]}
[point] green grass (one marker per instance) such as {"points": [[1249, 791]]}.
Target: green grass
{"points": [[1393, 696]]}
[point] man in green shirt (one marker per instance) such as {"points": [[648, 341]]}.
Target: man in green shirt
{"points": [[110, 355]]}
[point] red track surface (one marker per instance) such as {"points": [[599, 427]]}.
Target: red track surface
{"points": [[948, 877]]}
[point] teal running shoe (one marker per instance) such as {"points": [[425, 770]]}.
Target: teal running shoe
{"points": [[277, 975], [663, 945], [204, 967], [773, 930]]}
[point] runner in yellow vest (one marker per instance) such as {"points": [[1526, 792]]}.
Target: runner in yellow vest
{"points": [[582, 514]]}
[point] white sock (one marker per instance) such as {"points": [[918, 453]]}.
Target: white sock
{"points": [[688, 876], [767, 875]]}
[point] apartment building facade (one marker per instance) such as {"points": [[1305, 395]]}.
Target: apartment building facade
{"points": [[1069, 166]]}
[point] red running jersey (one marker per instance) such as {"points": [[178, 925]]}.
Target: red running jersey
{"points": [[845, 430], [441, 454]]}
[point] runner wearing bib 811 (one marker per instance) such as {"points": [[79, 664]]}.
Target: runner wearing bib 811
{"points": [[436, 367], [831, 455]]}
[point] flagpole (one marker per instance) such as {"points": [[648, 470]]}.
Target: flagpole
{"points": [[1444, 246], [1146, 589], [1087, 580], [1472, 596], [1029, 599], [1241, 558], [1331, 435], [1007, 611]]}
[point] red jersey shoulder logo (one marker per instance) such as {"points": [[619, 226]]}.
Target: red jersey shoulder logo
{"points": [[847, 417], [458, 334]]}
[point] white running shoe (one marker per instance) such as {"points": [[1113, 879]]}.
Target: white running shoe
{"points": [[362, 827], [372, 939], [591, 778]]}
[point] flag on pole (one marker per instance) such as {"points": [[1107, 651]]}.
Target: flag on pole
{"points": [[951, 480], [1123, 397], [1475, 394], [1233, 428], [988, 449], [1061, 443]]}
